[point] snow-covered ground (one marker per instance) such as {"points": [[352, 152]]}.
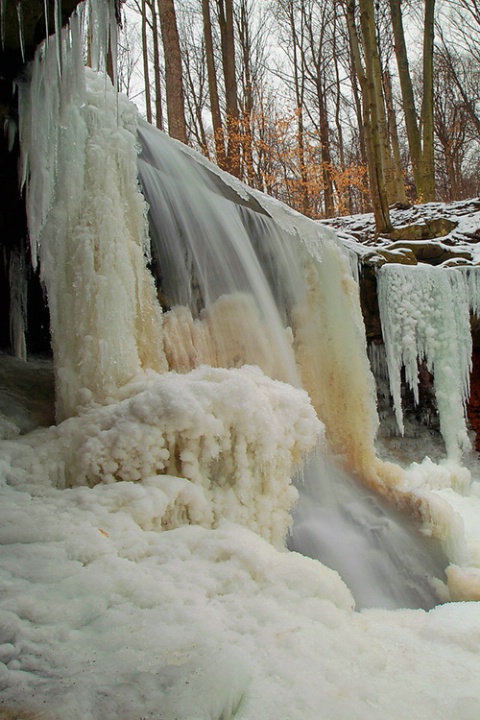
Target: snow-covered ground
{"points": [[461, 238], [112, 607]]}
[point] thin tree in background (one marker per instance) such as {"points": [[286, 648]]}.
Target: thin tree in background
{"points": [[317, 62], [426, 116], [309, 125], [370, 111], [218, 130], [453, 131], [246, 80], [399, 193], [286, 11], [420, 135], [156, 67], [195, 83], [146, 70], [177, 126], [227, 39]]}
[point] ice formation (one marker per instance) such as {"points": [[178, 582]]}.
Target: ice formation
{"points": [[18, 303], [425, 316], [199, 438], [86, 218]]}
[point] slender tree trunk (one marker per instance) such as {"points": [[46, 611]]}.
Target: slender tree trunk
{"points": [[177, 126], [227, 35], [146, 71], [326, 156], [420, 143], [399, 185], [247, 137], [428, 160], [374, 66], [218, 131], [156, 70], [299, 89], [408, 98], [369, 110]]}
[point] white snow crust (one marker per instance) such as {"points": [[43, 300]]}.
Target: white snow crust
{"points": [[103, 615]]}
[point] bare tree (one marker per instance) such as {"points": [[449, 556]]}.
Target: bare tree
{"points": [[218, 130], [227, 38], [177, 126], [419, 132], [368, 77]]}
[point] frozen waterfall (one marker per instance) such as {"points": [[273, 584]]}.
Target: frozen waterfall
{"points": [[241, 280], [425, 315]]}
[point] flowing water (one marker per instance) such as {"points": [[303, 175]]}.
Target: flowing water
{"points": [[381, 557], [202, 228]]}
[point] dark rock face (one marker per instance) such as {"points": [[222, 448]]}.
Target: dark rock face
{"points": [[473, 408], [27, 395]]}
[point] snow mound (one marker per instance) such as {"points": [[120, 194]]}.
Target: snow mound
{"points": [[231, 438]]}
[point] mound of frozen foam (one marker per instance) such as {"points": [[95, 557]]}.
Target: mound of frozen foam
{"points": [[101, 619], [230, 438]]}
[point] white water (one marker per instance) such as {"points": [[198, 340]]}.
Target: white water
{"points": [[293, 305]]}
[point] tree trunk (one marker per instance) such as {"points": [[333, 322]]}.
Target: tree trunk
{"points": [[247, 110], [370, 110], [299, 88], [421, 154], [156, 70], [177, 126], [227, 35], [329, 208], [218, 131], [399, 194], [146, 71], [428, 160]]}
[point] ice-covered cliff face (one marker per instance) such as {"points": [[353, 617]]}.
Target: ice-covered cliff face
{"points": [[425, 314]]}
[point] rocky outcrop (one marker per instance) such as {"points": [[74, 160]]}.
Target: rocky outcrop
{"points": [[428, 230]]}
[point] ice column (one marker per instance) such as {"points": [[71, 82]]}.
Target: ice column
{"points": [[425, 316], [87, 224]]}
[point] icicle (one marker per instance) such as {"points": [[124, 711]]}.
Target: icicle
{"points": [[378, 360], [10, 132], [425, 316], [113, 47], [473, 282], [47, 28], [20, 29]]}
